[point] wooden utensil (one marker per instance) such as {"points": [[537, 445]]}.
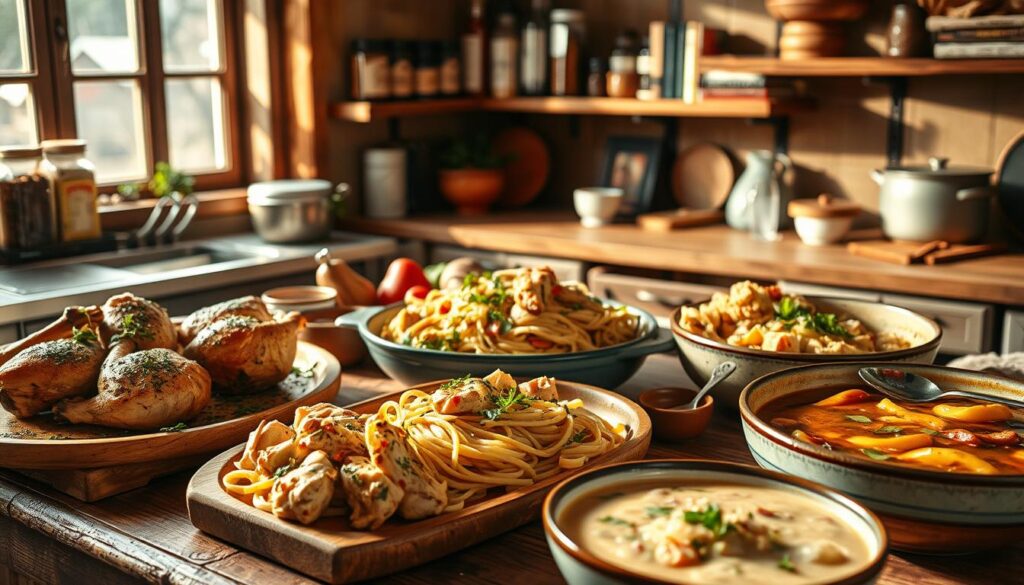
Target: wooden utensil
{"points": [[329, 550], [931, 253], [666, 221], [702, 177], [954, 253]]}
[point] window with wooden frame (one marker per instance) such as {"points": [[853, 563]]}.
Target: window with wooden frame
{"points": [[140, 80]]}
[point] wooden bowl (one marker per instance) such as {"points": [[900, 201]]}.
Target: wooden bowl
{"points": [[676, 425], [805, 39], [817, 9], [472, 191]]}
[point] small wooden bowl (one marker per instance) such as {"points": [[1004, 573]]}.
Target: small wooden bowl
{"points": [[676, 425]]}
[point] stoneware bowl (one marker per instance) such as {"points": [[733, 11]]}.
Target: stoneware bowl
{"points": [[821, 231], [597, 206], [580, 567], [472, 191], [676, 425], [924, 511], [607, 367], [700, 355]]}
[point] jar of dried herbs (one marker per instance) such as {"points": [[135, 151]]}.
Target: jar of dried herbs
{"points": [[28, 216], [73, 180]]}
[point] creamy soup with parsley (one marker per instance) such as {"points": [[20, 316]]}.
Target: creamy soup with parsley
{"points": [[716, 534]]}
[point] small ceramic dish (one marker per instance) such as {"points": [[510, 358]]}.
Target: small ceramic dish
{"points": [[580, 566], [304, 299], [343, 342], [597, 206], [676, 425], [824, 220]]}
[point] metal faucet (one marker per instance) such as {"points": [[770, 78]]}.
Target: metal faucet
{"points": [[177, 219]]}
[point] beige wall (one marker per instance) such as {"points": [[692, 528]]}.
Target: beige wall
{"points": [[967, 118]]}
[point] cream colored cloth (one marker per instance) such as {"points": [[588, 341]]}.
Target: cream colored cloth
{"points": [[1010, 365]]}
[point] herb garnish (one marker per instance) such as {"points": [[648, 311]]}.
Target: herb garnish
{"points": [[174, 429], [578, 437], [786, 564], [614, 521], [454, 383], [859, 418], [875, 454], [133, 326], [84, 336], [790, 312], [931, 432], [710, 518], [307, 373], [503, 402], [888, 430], [655, 511], [382, 494], [405, 463], [283, 470]]}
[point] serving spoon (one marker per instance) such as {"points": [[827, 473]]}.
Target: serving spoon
{"points": [[914, 388], [720, 373]]}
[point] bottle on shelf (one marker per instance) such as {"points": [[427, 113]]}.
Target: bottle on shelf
{"points": [[371, 70], [451, 70], [402, 86], [623, 79], [427, 77], [533, 47], [567, 37], [644, 90], [73, 180], [473, 45], [504, 55], [595, 80]]}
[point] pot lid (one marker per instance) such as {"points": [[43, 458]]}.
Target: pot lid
{"points": [[289, 190], [939, 167], [824, 205]]}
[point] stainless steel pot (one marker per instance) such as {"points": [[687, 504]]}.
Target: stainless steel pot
{"points": [[936, 202], [292, 211]]}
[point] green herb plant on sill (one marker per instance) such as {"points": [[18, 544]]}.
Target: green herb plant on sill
{"points": [[166, 181]]}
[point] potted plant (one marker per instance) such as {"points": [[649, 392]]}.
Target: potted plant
{"points": [[472, 176]]}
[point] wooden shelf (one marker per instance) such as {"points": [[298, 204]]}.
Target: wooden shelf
{"points": [[862, 66], [720, 108]]}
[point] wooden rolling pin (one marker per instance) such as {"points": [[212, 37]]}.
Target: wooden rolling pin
{"points": [[666, 221]]}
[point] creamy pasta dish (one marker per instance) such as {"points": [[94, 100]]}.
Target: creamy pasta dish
{"points": [[761, 317]]}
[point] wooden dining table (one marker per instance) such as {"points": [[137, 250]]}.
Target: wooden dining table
{"points": [[144, 535]]}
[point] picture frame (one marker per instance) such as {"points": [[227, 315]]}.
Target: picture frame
{"points": [[631, 163]]}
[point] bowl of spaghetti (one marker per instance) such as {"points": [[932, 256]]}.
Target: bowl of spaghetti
{"points": [[522, 321]]}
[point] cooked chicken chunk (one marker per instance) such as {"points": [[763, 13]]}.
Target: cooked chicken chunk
{"points": [[145, 323], [305, 492], [336, 431], [371, 496], [40, 376], [249, 306], [73, 318], [245, 355], [532, 289], [425, 495], [543, 388], [471, 396], [143, 390], [270, 447]]}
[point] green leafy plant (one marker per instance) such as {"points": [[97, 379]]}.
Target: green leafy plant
{"points": [[166, 181], [471, 153]]}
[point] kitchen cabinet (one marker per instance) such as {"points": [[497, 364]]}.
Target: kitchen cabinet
{"points": [[817, 290], [573, 270], [966, 327], [1013, 331], [8, 334], [658, 297]]}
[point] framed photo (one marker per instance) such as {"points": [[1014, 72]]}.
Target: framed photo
{"points": [[631, 164]]}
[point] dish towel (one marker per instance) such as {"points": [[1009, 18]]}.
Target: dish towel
{"points": [[1010, 365]]}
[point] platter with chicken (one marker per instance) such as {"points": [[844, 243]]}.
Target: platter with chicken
{"points": [[123, 383], [345, 494]]}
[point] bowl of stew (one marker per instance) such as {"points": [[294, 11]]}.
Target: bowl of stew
{"points": [[945, 476], [702, 522]]}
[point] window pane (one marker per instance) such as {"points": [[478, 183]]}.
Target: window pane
{"points": [[103, 36], [13, 37], [109, 117], [191, 34], [195, 124], [17, 115]]}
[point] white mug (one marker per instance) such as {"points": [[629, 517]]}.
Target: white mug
{"points": [[597, 206]]}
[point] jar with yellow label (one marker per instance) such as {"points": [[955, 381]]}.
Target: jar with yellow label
{"points": [[73, 178]]}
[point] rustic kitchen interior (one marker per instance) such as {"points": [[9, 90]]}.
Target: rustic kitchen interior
{"points": [[512, 291]]}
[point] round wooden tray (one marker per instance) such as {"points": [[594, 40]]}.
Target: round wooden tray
{"points": [[43, 443]]}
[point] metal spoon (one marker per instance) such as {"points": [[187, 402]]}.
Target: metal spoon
{"points": [[915, 388], [721, 372]]}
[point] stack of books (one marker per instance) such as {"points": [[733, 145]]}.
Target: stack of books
{"points": [[715, 84], [983, 37], [676, 48]]}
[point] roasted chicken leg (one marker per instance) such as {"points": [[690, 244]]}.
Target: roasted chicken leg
{"points": [[47, 372], [126, 316], [249, 306]]}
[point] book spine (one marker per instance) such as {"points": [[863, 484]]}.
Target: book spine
{"points": [[944, 23], [680, 64], [656, 34], [691, 75], [668, 86], [978, 50], [972, 36]]}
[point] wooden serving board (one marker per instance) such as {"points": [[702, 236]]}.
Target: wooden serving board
{"points": [[42, 443], [331, 551]]}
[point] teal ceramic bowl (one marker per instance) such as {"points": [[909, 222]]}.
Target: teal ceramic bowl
{"points": [[607, 367]]}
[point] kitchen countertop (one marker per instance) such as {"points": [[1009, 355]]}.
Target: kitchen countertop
{"points": [[87, 280], [713, 250], [145, 534]]}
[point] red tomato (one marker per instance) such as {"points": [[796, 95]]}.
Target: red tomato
{"points": [[539, 343], [402, 275], [419, 291]]}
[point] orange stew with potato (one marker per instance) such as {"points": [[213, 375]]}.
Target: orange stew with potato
{"points": [[959, 436]]}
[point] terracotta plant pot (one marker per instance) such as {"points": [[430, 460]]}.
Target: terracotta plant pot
{"points": [[472, 191]]}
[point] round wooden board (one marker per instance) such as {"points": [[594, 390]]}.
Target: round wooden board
{"points": [[702, 177], [43, 443], [528, 168], [331, 551]]}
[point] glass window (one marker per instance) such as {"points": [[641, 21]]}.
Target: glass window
{"points": [[191, 35], [13, 37], [103, 36], [109, 117], [196, 129], [17, 115]]}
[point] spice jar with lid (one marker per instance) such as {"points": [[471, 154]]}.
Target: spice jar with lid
{"points": [[567, 38], [371, 70], [505, 55], [28, 216], [451, 70], [595, 80], [401, 70], [73, 181], [644, 89], [824, 220], [427, 76], [622, 77]]}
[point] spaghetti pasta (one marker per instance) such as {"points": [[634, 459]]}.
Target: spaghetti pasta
{"points": [[513, 311]]}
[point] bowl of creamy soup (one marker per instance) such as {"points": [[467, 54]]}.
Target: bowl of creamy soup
{"points": [[701, 522], [944, 476]]}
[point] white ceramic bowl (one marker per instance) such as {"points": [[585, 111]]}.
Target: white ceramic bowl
{"points": [[580, 567], [304, 299], [596, 206], [699, 355], [923, 510], [820, 231]]}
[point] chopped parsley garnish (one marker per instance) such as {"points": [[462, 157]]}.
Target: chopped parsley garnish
{"points": [[710, 518], [791, 312], [875, 454], [497, 317], [454, 383], [174, 429], [283, 470], [578, 437], [405, 463], [133, 326], [614, 521], [786, 564], [931, 432], [888, 430], [383, 493], [858, 418], [655, 511], [84, 336], [307, 373], [503, 402]]}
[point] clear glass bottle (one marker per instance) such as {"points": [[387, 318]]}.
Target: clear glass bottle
{"points": [[566, 40], [28, 217], [474, 44], [73, 181], [505, 55], [533, 47]]}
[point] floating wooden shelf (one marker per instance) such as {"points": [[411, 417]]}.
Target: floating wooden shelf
{"points": [[862, 66], [719, 108]]}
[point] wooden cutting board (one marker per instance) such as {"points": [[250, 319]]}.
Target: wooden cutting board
{"points": [[931, 253], [329, 550]]}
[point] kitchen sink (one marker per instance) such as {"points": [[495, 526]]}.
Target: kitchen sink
{"points": [[158, 261]]}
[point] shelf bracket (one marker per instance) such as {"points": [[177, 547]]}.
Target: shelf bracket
{"points": [[394, 129], [894, 135], [780, 132]]}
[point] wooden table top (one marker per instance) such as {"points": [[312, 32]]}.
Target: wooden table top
{"points": [[145, 534], [714, 250]]}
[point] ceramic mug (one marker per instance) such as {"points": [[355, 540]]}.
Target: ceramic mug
{"points": [[597, 206]]}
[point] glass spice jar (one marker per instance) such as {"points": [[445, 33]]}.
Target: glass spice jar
{"points": [[401, 70], [567, 38], [28, 217], [73, 181], [623, 80], [451, 71], [371, 70], [427, 76]]}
